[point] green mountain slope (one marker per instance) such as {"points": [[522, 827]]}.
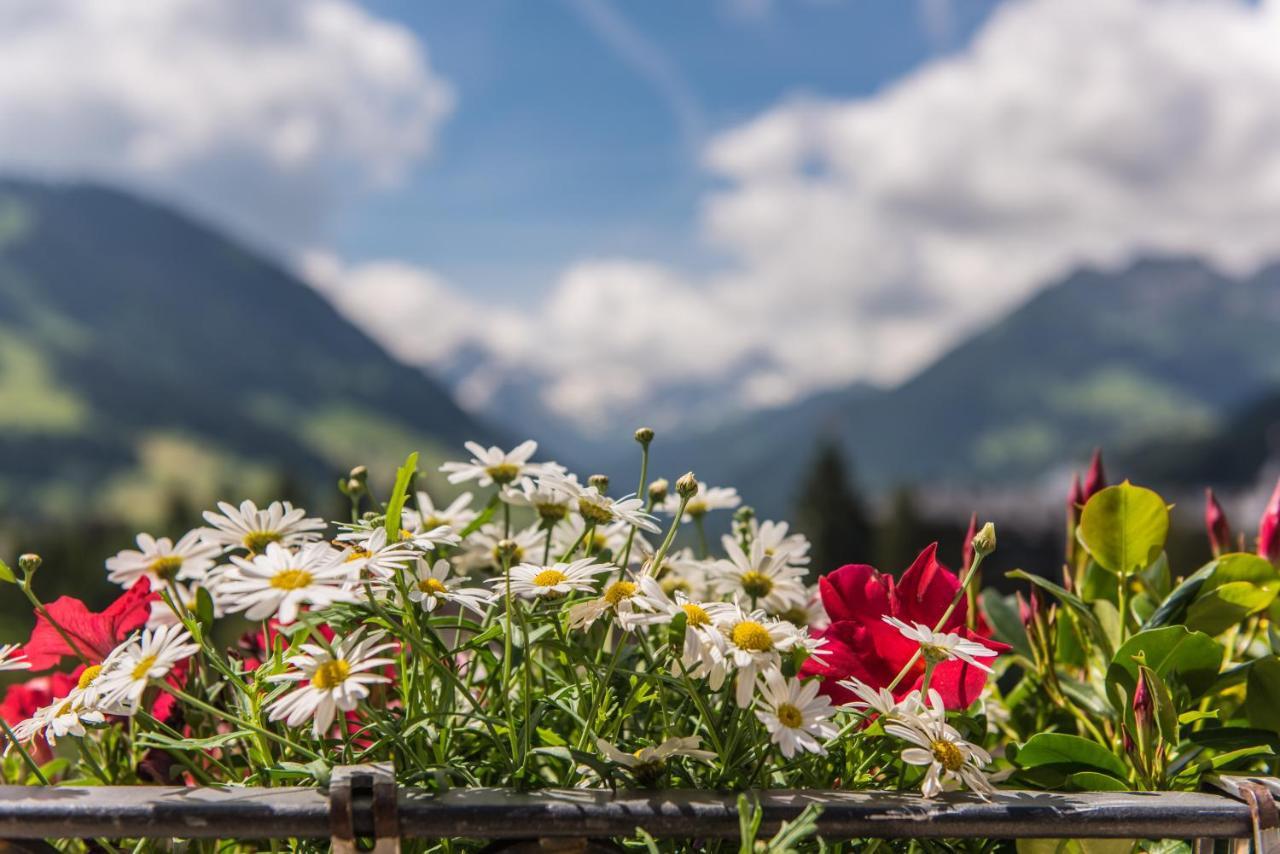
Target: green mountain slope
{"points": [[1162, 349], [141, 353]]}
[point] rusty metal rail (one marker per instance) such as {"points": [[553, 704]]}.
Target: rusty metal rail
{"points": [[146, 811]]}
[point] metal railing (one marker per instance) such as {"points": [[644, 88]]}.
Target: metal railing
{"points": [[364, 802]]}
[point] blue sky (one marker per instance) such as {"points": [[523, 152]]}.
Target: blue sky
{"points": [[609, 205], [562, 145]]}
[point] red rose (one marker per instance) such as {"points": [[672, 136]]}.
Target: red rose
{"points": [[859, 643]]}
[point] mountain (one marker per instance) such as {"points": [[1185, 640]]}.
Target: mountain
{"points": [[146, 357], [1165, 348]]}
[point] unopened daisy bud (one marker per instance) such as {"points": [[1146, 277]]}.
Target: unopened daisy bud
{"points": [[687, 485], [658, 490], [354, 486], [360, 473], [600, 482], [506, 549], [984, 542], [644, 436], [29, 562]]}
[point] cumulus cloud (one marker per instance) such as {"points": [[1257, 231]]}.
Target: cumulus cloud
{"points": [[869, 235], [267, 115]]}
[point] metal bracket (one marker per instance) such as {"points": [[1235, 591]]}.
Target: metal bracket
{"points": [[1259, 794], [362, 805]]}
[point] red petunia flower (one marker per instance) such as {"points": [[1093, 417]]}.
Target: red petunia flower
{"points": [[860, 644], [94, 635]]}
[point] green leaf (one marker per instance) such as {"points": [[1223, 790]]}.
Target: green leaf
{"points": [[6, 574], [1002, 612], [1197, 715], [1077, 605], [204, 607], [1056, 748], [1227, 605], [1096, 781], [400, 494], [1174, 653], [1124, 527], [1262, 703], [1173, 609], [156, 739], [1241, 566]]}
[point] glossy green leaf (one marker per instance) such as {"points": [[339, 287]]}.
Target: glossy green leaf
{"points": [[1174, 653], [1173, 609], [1226, 605], [1056, 748], [1124, 527], [1096, 781], [400, 494], [1262, 703], [1077, 605], [1002, 613]]}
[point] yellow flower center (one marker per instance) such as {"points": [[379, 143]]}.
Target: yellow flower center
{"points": [[330, 674], [695, 508], [517, 556], [550, 578], [503, 473], [291, 579], [552, 511], [594, 512], [143, 667], [695, 615], [65, 708], [166, 567], [948, 754], [356, 553], [756, 584], [618, 592], [751, 636], [790, 716], [256, 541], [432, 586], [432, 522], [90, 673]]}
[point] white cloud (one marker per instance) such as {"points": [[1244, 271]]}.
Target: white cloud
{"points": [[868, 235], [267, 115]]}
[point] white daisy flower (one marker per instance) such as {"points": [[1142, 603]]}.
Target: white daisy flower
{"points": [[702, 502], [184, 596], [752, 644], [12, 658], [60, 718], [482, 547], [600, 510], [791, 548], [627, 599], [533, 581], [878, 700], [136, 663], [648, 763], [682, 572], [458, 515], [247, 527], [432, 586], [766, 580], [162, 561], [941, 749], [610, 538], [279, 582], [941, 646], [336, 681], [550, 501], [795, 714], [382, 559], [494, 465]]}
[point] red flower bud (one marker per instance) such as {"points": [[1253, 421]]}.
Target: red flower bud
{"points": [[1024, 610], [1269, 528], [1095, 480], [1215, 522], [966, 560], [1075, 498], [1143, 704]]}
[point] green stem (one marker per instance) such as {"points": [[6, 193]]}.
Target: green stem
{"points": [[656, 564], [26, 757], [946, 615], [232, 719]]}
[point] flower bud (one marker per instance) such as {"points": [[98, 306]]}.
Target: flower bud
{"points": [[966, 559], [1075, 498], [687, 485], [644, 436], [360, 473], [600, 482], [1095, 480], [29, 562], [1143, 705], [658, 490], [1269, 528], [1215, 522], [506, 549], [984, 542]]}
